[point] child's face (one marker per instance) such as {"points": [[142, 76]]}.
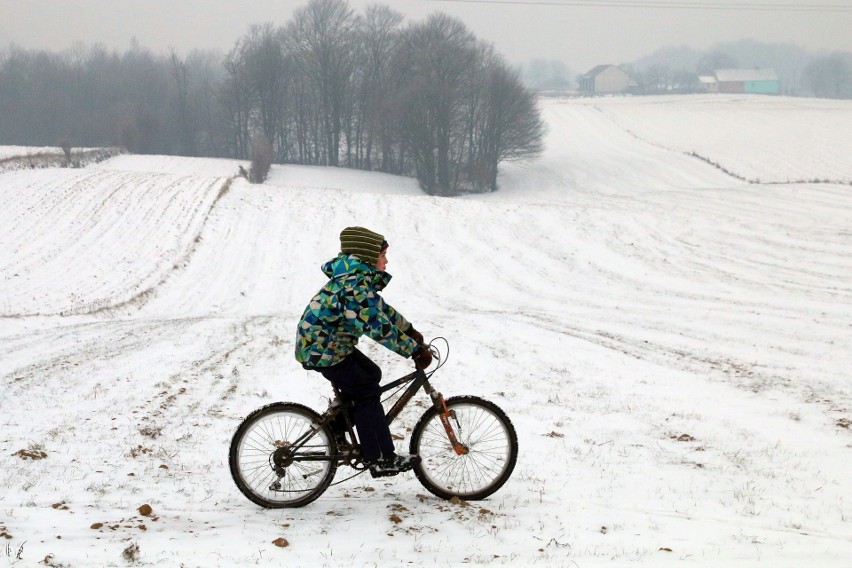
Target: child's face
{"points": [[382, 263]]}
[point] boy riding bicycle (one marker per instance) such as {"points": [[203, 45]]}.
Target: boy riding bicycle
{"points": [[347, 307]]}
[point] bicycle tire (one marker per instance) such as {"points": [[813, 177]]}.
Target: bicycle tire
{"points": [[262, 433], [488, 434]]}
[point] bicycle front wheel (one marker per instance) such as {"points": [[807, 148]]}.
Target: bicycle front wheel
{"points": [[487, 433], [268, 471]]}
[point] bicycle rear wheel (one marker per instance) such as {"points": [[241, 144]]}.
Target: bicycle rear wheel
{"points": [[490, 438], [267, 471]]}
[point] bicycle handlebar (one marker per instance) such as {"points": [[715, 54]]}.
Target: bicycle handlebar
{"points": [[436, 353]]}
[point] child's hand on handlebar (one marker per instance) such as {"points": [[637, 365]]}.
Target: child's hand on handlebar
{"points": [[422, 357]]}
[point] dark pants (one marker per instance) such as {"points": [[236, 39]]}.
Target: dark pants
{"points": [[358, 379]]}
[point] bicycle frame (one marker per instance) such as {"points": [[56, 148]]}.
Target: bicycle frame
{"points": [[418, 379]]}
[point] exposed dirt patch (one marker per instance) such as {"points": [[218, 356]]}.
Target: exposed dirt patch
{"points": [[31, 454], [139, 450], [130, 523], [683, 438], [152, 432]]}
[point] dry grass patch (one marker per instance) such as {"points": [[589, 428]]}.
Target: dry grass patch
{"points": [[33, 453]]}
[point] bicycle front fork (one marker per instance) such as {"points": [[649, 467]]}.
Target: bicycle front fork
{"points": [[445, 414]]}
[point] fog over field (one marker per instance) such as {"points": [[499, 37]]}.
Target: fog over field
{"points": [[580, 34]]}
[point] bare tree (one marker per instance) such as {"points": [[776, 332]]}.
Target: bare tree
{"points": [[509, 127], [261, 159], [441, 56], [715, 60], [65, 144], [546, 74], [236, 99], [656, 79], [321, 35], [267, 71], [207, 116], [378, 39], [830, 76], [179, 73]]}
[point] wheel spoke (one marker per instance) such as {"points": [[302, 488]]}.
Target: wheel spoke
{"points": [[492, 449], [264, 438]]}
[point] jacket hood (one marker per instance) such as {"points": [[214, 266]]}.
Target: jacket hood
{"points": [[346, 264]]}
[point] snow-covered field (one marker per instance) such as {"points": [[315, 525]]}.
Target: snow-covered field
{"points": [[753, 138], [671, 342]]}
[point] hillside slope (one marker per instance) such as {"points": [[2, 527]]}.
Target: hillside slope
{"points": [[671, 342]]}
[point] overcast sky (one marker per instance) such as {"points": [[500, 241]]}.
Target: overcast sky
{"points": [[581, 33]]}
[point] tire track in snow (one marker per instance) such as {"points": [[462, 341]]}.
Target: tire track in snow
{"points": [[694, 352], [142, 297], [94, 225], [745, 136]]}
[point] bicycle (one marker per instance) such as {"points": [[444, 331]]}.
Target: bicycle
{"points": [[285, 454]]}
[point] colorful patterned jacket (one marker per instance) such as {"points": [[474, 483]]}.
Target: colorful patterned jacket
{"points": [[347, 307]]}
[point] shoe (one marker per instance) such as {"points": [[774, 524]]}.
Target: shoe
{"points": [[393, 464]]}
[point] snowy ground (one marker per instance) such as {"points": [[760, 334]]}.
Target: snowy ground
{"points": [[671, 342]]}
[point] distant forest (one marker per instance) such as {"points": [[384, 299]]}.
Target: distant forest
{"points": [[676, 69], [331, 87]]}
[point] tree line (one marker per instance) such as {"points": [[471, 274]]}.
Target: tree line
{"points": [[801, 73], [330, 87]]}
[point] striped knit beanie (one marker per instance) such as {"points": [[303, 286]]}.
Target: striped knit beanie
{"points": [[363, 243]]}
